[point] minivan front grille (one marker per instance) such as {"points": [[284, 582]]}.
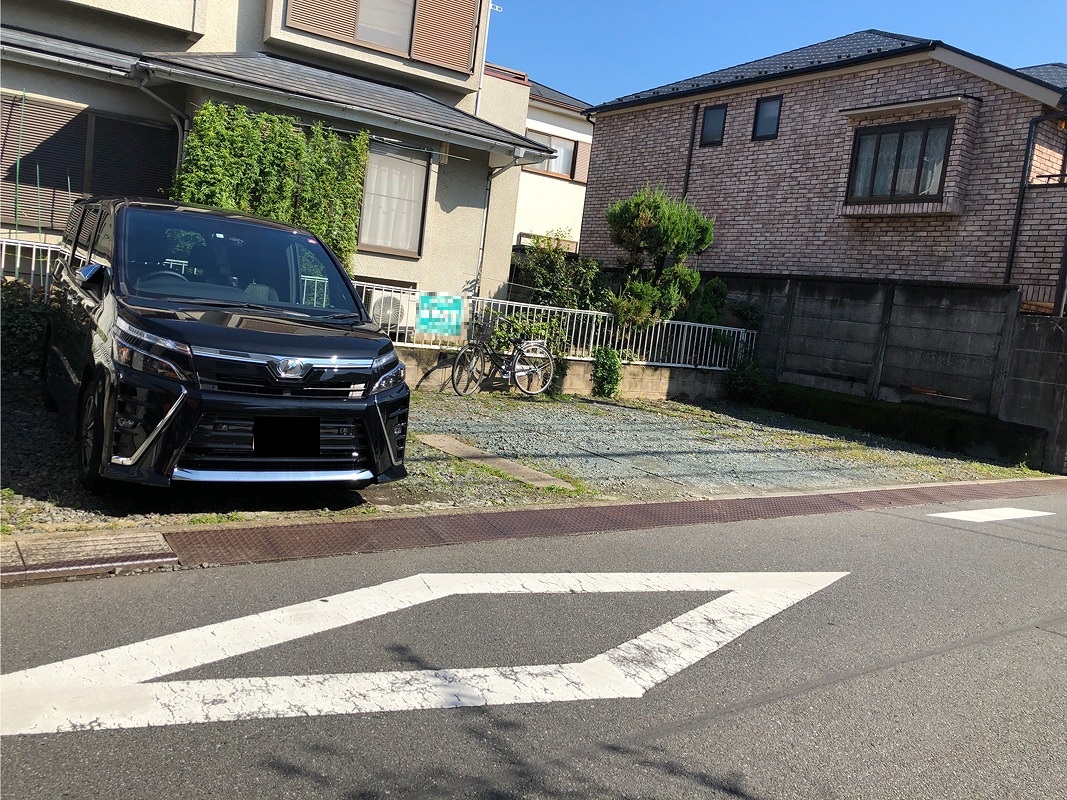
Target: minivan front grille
{"points": [[255, 378], [228, 442]]}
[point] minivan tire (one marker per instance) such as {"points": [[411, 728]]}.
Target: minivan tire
{"points": [[91, 438]]}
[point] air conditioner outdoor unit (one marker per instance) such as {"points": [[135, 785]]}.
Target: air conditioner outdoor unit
{"points": [[393, 310]]}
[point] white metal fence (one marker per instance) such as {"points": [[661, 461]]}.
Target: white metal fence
{"points": [[28, 262], [397, 310], [667, 344]]}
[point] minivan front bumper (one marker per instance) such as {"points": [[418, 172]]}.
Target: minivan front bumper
{"points": [[163, 431]]}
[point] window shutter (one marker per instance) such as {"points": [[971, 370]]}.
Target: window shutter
{"points": [[132, 159], [581, 162], [44, 144], [444, 33], [335, 19]]}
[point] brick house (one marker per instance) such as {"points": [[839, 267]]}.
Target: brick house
{"points": [[872, 155], [97, 96]]}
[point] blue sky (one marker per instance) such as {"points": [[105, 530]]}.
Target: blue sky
{"points": [[597, 50]]}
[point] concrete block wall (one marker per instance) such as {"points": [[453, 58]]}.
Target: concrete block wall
{"points": [[778, 203], [1035, 390], [431, 370]]}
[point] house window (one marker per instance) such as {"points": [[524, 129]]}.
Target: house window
{"points": [[394, 199], [563, 163], [900, 163], [768, 111], [386, 23], [711, 132], [440, 32]]}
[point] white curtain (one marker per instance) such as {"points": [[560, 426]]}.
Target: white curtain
{"points": [[393, 199], [386, 22]]}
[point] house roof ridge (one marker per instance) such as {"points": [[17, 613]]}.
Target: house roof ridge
{"points": [[848, 48]]}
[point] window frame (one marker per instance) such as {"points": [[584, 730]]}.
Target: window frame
{"points": [[361, 246], [406, 52], [760, 101], [532, 133], [704, 124], [899, 128]]}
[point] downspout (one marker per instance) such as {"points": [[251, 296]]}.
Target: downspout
{"points": [[1024, 180], [179, 118], [689, 157], [490, 174]]}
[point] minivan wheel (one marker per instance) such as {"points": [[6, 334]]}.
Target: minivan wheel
{"points": [[91, 438]]}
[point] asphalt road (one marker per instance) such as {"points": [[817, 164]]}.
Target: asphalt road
{"points": [[927, 658]]}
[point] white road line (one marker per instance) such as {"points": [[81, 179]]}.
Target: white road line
{"points": [[106, 689], [992, 514]]}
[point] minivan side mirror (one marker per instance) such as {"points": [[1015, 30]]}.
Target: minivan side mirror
{"points": [[92, 277]]}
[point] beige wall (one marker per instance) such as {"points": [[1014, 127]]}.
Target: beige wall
{"points": [[548, 203], [452, 259]]}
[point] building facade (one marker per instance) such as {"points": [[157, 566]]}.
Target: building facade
{"points": [[97, 98], [872, 155]]}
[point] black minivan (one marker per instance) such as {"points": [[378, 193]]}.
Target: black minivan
{"points": [[195, 344]]}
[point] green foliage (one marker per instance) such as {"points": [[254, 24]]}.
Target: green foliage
{"points": [[749, 313], [651, 224], [706, 304], [557, 278], [635, 304], [263, 164], [607, 372], [23, 321], [747, 383], [658, 234]]}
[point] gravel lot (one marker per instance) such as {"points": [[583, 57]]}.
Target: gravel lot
{"points": [[610, 452]]}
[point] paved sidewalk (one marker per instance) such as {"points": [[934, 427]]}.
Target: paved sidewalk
{"points": [[53, 556]]}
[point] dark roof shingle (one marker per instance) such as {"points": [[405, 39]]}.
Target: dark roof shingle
{"points": [[854, 47], [1052, 74]]}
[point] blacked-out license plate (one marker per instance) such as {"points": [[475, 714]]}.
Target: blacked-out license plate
{"points": [[285, 437]]}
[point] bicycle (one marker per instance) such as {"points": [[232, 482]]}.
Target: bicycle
{"points": [[529, 366]]}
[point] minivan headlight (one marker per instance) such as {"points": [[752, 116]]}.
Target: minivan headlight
{"points": [[390, 380], [151, 354]]}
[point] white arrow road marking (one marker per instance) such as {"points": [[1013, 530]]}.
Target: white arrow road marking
{"points": [[108, 690], [993, 514]]}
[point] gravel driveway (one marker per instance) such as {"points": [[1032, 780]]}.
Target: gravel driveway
{"points": [[610, 452]]}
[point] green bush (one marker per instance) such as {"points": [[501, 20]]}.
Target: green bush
{"points": [[264, 164], [607, 372], [746, 382], [749, 313], [23, 321], [556, 277], [707, 303]]}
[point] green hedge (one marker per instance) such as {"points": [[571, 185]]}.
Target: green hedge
{"points": [[264, 164]]}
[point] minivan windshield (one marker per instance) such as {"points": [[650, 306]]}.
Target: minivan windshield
{"points": [[188, 255]]}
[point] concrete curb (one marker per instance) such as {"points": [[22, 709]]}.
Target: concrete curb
{"points": [[29, 558]]}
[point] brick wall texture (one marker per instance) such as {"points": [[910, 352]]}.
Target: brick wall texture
{"points": [[778, 204]]}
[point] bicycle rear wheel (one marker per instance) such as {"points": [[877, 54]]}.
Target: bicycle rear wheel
{"points": [[468, 370], [532, 368]]}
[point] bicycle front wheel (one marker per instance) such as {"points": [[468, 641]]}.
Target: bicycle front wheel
{"points": [[468, 370], [532, 368]]}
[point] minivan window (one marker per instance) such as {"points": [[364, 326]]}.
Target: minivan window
{"points": [[104, 246], [207, 257], [80, 254]]}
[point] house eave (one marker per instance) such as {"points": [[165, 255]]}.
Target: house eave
{"points": [[350, 113], [995, 73]]}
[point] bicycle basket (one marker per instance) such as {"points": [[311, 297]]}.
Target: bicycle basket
{"points": [[481, 327]]}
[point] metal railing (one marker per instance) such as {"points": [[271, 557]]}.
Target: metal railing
{"points": [[664, 344], [29, 262]]}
